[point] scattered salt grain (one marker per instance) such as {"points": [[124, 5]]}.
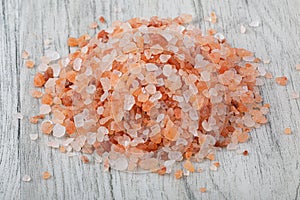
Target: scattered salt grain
{"points": [[243, 29], [26, 178], [33, 136], [254, 24], [59, 130]]}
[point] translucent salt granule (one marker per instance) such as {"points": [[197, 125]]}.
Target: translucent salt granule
{"points": [[77, 64], [254, 24], [52, 55], [26, 178], [151, 67], [59, 130], [128, 102], [33, 136], [45, 109]]}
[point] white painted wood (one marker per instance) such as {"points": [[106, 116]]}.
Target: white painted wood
{"points": [[271, 171]]}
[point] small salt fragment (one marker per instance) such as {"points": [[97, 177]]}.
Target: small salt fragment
{"points": [[59, 130], [19, 116], [29, 64], [100, 110], [42, 67], [25, 55], [26, 178], [203, 190], [46, 175], [93, 25], [295, 95], [243, 29], [254, 24], [281, 80], [164, 58], [267, 61], [33, 136], [213, 168], [220, 37], [287, 131]]}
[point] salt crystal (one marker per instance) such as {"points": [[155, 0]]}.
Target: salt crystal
{"points": [[151, 89], [243, 29], [297, 66], [105, 82], [26, 178], [56, 70], [104, 96], [59, 130], [128, 102], [160, 117], [120, 164], [151, 67], [205, 76], [295, 95], [220, 37], [91, 89], [45, 109], [19, 116], [33, 136], [164, 58], [193, 115], [267, 61], [103, 130], [254, 24], [52, 55], [77, 64], [100, 110], [213, 168], [167, 70]]}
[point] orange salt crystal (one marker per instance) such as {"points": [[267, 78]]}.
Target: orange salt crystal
{"points": [[46, 127], [70, 127], [162, 170], [189, 166], [29, 64], [46, 175], [268, 75], [178, 174], [34, 120], [84, 159], [287, 131], [177, 113], [213, 17], [62, 149], [36, 94], [188, 154], [211, 156], [39, 80], [72, 42], [203, 189], [47, 99], [71, 76], [243, 137], [102, 19], [217, 164], [245, 153], [281, 80]]}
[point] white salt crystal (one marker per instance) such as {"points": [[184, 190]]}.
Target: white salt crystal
{"points": [[105, 82], [206, 126], [205, 76], [100, 110], [193, 115], [91, 138], [53, 144], [52, 55], [178, 98], [160, 117], [77, 64], [120, 164], [150, 67], [59, 130], [65, 61], [220, 37], [254, 23], [175, 155], [164, 58], [128, 102], [42, 67], [104, 96], [243, 29], [33, 136], [138, 116], [19, 116], [88, 71], [56, 69], [45, 109], [151, 89], [91, 89], [78, 120], [26, 178], [167, 70], [103, 130], [213, 168]]}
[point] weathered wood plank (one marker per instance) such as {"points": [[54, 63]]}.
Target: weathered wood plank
{"points": [[271, 171]]}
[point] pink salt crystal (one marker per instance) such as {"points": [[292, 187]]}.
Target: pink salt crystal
{"points": [[77, 64], [26, 178], [149, 164], [297, 66], [19, 116], [45, 109], [243, 29], [254, 23], [120, 164], [59, 130], [295, 95], [151, 89], [25, 55]]}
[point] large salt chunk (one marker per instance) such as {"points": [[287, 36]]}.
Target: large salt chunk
{"points": [[128, 102], [59, 130]]}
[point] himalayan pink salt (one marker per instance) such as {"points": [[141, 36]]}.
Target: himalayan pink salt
{"points": [[146, 94]]}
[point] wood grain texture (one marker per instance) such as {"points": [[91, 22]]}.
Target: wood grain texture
{"points": [[271, 171]]}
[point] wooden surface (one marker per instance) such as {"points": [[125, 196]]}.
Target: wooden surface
{"points": [[272, 169]]}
